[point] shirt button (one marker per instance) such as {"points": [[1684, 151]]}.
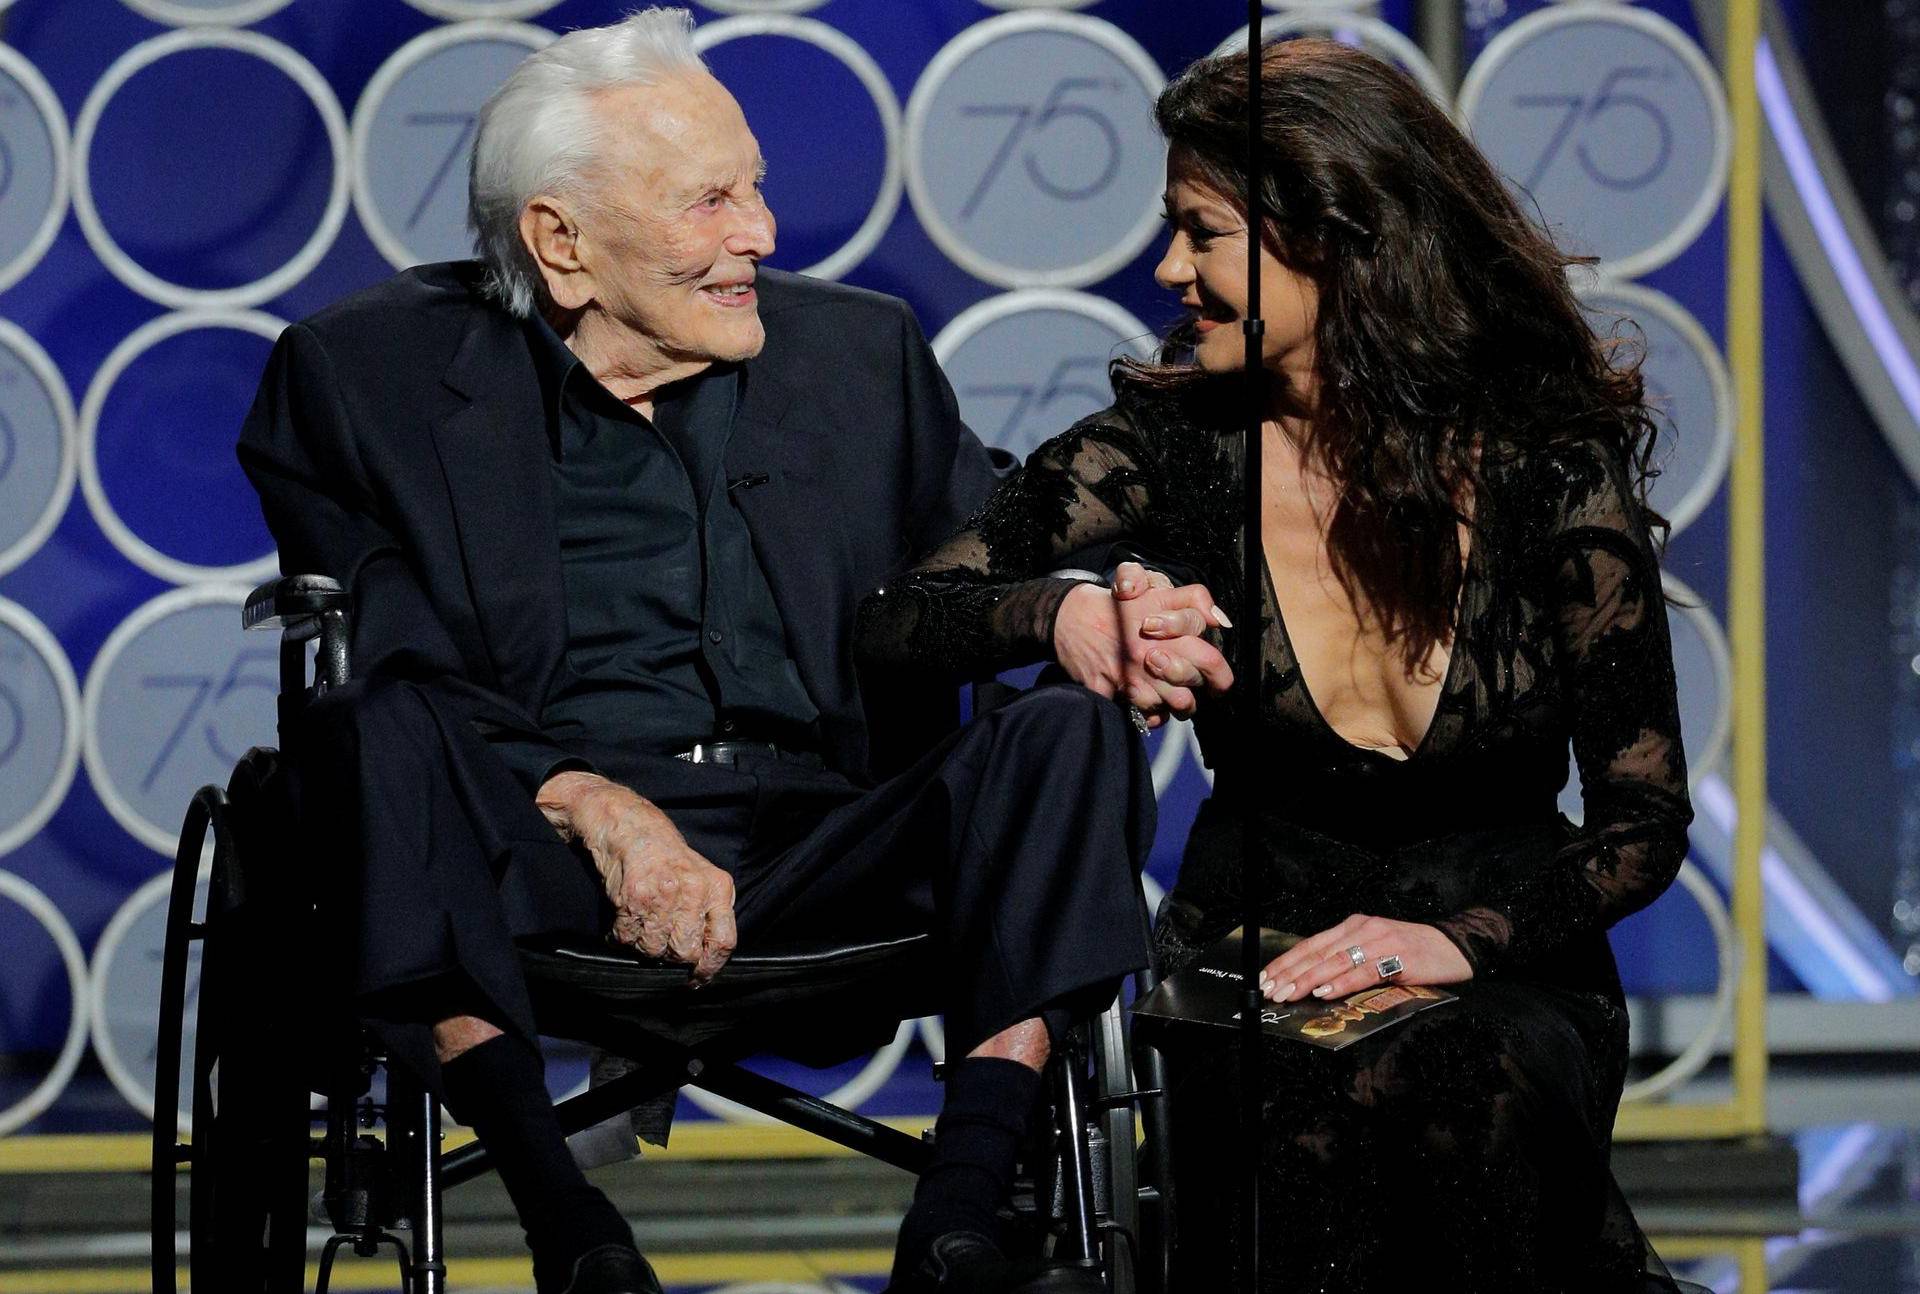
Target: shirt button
{"points": [[714, 636]]}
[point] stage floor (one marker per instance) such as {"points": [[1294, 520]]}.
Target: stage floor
{"points": [[752, 1212]]}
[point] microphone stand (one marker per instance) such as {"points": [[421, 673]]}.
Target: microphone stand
{"points": [[1248, 668]]}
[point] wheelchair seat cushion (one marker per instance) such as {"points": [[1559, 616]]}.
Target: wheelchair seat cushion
{"points": [[582, 960], [820, 996]]}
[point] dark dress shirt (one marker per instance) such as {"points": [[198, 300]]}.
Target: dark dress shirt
{"points": [[673, 637]]}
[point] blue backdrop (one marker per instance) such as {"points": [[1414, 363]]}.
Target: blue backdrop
{"points": [[235, 181]]}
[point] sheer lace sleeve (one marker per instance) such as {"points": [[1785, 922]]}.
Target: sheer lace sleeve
{"points": [[981, 602], [1617, 684]]}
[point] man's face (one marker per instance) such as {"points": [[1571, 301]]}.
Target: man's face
{"points": [[679, 221]]}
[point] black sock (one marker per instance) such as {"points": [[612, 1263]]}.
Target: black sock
{"points": [[498, 1089], [975, 1141]]}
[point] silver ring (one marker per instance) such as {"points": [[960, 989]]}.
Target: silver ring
{"points": [[1390, 966], [1138, 718], [1356, 956]]}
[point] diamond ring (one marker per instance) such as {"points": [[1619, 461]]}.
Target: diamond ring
{"points": [[1390, 966], [1138, 718], [1356, 956]]}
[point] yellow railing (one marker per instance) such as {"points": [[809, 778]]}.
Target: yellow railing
{"points": [[1747, 595]]}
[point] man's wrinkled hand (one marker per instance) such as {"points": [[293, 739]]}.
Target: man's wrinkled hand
{"points": [[1143, 642], [668, 901]]}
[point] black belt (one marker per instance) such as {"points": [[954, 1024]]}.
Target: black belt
{"points": [[731, 752]]}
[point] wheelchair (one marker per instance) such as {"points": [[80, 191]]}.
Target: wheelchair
{"points": [[1092, 1192]]}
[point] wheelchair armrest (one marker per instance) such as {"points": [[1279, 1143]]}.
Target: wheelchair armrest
{"points": [[302, 608], [293, 603]]}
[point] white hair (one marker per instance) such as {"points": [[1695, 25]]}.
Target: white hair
{"points": [[542, 133]]}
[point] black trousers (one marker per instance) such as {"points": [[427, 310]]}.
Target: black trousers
{"points": [[1017, 841]]}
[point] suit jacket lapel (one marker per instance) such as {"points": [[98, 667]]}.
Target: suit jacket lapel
{"points": [[495, 454]]}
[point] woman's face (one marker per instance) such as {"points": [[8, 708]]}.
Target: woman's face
{"points": [[1206, 264]]}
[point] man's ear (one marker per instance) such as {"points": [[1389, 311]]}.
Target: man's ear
{"points": [[551, 234]]}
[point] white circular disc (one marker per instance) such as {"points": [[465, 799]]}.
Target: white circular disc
{"points": [[1177, 745], [1689, 390], [1153, 892], [887, 201], [124, 1002], [1703, 671], [1000, 130], [231, 13], [933, 1036], [437, 167], [48, 1090], [131, 546], [33, 494], [1693, 1058], [1376, 37], [149, 52], [174, 699], [762, 6], [1612, 121], [37, 233], [37, 684], [465, 10], [1027, 365], [1703, 663]]}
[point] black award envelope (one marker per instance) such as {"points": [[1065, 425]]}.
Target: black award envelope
{"points": [[1209, 993]]}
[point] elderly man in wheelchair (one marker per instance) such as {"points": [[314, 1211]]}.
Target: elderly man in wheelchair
{"points": [[581, 525]]}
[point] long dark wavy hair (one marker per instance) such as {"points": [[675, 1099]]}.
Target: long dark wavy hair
{"points": [[1447, 340]]}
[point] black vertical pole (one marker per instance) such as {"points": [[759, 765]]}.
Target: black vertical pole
{"points": [[1248, 669]]}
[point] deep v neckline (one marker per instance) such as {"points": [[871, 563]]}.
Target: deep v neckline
{"points": [[1270, 593]]}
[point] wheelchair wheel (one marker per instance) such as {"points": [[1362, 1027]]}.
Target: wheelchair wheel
{"points": [[246, 1151], [1078, 1200], [1154, 1196], [1116, 1165]]}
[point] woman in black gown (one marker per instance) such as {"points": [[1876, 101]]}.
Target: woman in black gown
{"points": [[1455, 528]]}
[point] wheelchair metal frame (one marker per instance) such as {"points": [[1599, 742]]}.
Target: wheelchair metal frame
{"points": [[1087, 1192]]}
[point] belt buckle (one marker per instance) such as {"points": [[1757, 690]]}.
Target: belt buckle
{"points": [[727, 751]]}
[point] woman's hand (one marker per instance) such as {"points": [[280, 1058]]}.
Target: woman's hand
{"points": [[1321, 965], [1142, 642]]}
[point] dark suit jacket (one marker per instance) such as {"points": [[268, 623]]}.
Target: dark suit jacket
{"points": [[399, 445]]}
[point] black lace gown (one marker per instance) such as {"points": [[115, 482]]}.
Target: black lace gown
{"points": [[1468, 1148]]}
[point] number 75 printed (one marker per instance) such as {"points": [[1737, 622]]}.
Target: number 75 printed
{"points": [[1612, 107]]}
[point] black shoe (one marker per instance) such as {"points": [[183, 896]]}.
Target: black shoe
{"points": [[966, 1262], [612, 1269]]}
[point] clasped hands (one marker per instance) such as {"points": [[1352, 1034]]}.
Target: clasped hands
{"points": [[1143, 642], [668, 901]]}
